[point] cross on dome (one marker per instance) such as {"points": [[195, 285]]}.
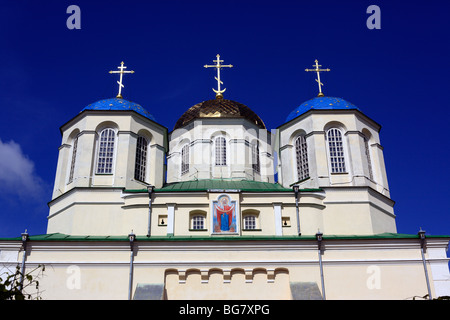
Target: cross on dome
{"points": [[121, 72], [318, 70], [218, 66]]}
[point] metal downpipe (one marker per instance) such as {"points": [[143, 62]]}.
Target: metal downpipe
{"points": [[421, 234], [131, 237], [296, 190], [149, 227], [22, 268], [319, 249]]}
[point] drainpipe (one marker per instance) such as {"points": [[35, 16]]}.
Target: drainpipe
{"points": [[319, 248], [421, 234], [24, 247], [150, 190], [296, 190], [131, 237]]}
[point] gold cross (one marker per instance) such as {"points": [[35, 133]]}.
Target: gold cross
{"points": [[218, 66], [121, 72], [318, 70]]}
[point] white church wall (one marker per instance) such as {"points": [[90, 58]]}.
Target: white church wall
{"points": [[108, 212], [87, 212], [381, 182], [357, 210], [352, 268], [438, 268]]}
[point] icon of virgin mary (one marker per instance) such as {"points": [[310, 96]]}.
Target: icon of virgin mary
{"points": [[224, 214]]}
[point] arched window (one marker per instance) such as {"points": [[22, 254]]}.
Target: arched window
{"points": [[198, 222], [369, 162], [74, 158], [105, 157], [336, 150], [256, 164], [185, 159], [221, 151], [141, 159], [301, 154]]}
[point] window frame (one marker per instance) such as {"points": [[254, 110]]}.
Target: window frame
{"points": [[250, 221], [301, 158], [185, 159], [368, 156], [141, 164], [73, 160], [337, 159], [112, 157], [198, 218], [256, 160], [220, 152]]}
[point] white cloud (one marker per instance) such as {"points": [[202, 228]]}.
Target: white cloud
{"points": [[17, 173]]}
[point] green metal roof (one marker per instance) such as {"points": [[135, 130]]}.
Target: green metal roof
{"points": [[65, 237], [221, 185]]}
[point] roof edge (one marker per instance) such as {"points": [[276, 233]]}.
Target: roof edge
{"points": [[86, 238]]}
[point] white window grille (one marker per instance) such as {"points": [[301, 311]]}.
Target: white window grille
{"points": [[250, 222], [256, 164], [141, 159], [336, 149], [74, 157], [106, 147], [369, 162], [185, 159], [221, 151], [301, 153], [198, 222]]}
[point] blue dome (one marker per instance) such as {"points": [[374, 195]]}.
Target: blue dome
{"points": [[119, 104], [321, 103]]}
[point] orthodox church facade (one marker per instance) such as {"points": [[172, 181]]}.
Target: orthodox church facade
{"points": [[142, 212]]}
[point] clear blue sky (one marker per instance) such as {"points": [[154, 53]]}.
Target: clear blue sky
{"points": [[398, 76]]}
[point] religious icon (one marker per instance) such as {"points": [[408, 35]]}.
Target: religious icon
{"points": [[224, 215]]}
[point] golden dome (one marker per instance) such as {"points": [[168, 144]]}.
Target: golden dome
{"points": [[219, 108]]}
